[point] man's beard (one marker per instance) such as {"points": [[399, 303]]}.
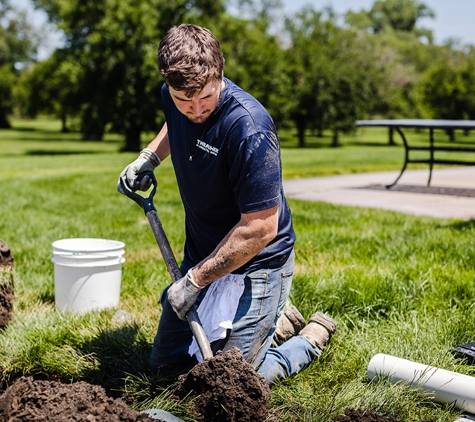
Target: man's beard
{"points": [[198, 119]]}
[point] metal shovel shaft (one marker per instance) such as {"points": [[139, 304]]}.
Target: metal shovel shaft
{"points": [[175, 273], [146, 203]]}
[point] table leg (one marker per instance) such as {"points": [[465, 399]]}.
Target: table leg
{"points": [[431, 160], [406, 157]]}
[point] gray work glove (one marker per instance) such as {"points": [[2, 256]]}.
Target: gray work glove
{"points": [[182, 295], [145, 163]]}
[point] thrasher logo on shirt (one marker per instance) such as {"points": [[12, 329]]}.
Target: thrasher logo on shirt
{"points": [[206, 147]]}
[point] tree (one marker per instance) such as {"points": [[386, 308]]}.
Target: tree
{"points": [[448, 87], [334, 81], [51, 87], [115, 42], [254, 61], [17, 48], [308, 33], [393, 15], [399, 54]]}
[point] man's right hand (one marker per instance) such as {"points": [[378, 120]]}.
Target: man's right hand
{"points": [[182, 294], [145, 163]]}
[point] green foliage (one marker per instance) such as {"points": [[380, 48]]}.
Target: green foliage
{"points": [[393, 15], [60, 98], [333, 74], [254, 62], [113, 47], [396, 284], [448, 86], [17, 48], [313, 73]]}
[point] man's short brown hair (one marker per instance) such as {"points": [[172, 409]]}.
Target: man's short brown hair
{"points": [[190, 57]]}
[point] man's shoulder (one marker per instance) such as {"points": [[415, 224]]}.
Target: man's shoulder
{"points": [[241, 105], [243, 97]]}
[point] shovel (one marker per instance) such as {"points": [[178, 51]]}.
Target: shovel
{"points": [[151, 213]]}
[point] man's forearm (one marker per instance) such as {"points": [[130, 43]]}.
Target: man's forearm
{"points": [[242, 243], [160, 145]]}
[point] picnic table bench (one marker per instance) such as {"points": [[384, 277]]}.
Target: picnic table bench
{"points": [[431, 124]]}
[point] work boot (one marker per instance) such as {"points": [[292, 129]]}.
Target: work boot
{"points": [[319, 330], [289, 324]]}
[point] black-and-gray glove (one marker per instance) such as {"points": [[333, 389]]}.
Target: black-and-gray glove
{"points": [[146, 162], [182, 295]]}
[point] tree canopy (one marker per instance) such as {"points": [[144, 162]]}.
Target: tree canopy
{"points": [[310, 70], [18, 45]]}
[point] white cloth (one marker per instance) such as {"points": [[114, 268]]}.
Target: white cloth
{"points": [[218, 309]]}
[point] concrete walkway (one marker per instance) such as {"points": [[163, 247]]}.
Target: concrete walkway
{"points": [[444, 199]]}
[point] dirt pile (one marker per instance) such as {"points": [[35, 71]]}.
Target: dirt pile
{"points": [[6, 285], [30, 400], [227, 388]]}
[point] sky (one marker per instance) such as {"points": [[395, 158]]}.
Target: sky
{"points": [[453, 18]]}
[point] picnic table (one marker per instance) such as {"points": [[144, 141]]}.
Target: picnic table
{"points": [[431, 124]]}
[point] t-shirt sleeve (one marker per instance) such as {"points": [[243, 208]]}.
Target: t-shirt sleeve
{"points": [[255, 172]]}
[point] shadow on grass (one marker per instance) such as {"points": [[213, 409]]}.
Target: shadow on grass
{"points": [[464, 225], [58, 152], [120, 352], [25, 129], [47, 298], [328, 145]]}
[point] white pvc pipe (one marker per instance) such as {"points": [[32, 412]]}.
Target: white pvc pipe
{"points": [[446, 386]]}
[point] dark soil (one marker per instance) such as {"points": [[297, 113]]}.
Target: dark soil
{"points": [[226, 388], [355, 415], [30, 400], [6, 257], [6, 285]]}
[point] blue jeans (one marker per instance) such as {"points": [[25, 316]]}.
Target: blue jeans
{"points": [[265, 293]]}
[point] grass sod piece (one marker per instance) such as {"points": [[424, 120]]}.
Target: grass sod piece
{"points": [[396, 284]]}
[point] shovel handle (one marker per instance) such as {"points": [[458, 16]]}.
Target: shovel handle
{"points": [[145, 202], [175, 273], [162, 241]]}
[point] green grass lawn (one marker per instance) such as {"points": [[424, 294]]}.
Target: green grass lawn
{"points": [[396, 284]]}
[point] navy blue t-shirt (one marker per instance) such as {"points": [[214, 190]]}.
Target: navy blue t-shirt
{"points": [[235, 168]]}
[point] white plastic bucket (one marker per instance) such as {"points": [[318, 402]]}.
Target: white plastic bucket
{"points": [[87, 274]]}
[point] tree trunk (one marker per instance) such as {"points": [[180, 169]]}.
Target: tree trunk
{"points": [[4, 123], [451, 134], [301, 135], [92, 130], [132, 139], [64, 123], [336, 139], [391, 136]]}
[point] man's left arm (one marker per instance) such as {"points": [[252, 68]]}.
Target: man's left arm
{"points": [[246, 239]]}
